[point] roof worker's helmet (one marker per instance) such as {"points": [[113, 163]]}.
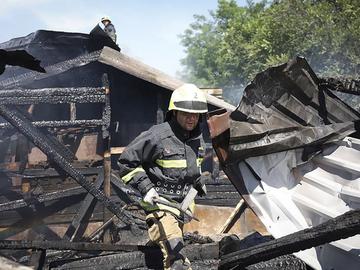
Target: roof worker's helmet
{"points": [[105, 18], [187, 98]]}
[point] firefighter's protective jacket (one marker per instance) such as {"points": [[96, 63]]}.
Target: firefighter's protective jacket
{"points": [[110, 30], [164, 157]]}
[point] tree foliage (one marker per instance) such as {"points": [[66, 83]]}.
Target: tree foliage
{"points": [[233, 43]]}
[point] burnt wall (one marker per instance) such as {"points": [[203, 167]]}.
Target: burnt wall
{"points": [[70, 60]]}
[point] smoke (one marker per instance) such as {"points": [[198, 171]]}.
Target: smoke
{"points": [[233, 95]]}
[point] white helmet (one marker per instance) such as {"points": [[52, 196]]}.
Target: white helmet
{"points": [[188, 98], [105, 18]]}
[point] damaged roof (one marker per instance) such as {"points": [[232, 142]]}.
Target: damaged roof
{"points": [[284, 107], [61, 51], [138, 69], [286, 150]]}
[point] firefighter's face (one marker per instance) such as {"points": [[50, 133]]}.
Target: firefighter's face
{"points": [[187, 121]]}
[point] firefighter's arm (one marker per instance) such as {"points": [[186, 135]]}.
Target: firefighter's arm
{"points": [[131, 162]]}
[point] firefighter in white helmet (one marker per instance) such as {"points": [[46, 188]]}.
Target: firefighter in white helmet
{"points": [[109, 28], [164, 162]]}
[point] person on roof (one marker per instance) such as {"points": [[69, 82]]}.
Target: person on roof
{"points": [[109, 28], [163, 163]]}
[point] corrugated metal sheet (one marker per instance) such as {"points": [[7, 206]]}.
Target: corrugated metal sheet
{"points": [[289, 195]]}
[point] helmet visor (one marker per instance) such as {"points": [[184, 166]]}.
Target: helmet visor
{"points": [[191, 105]]}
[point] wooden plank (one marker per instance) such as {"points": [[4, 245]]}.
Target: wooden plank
{"points": [[140, 70], [72, 111], [107, 153], [220, 188], [50, 172], [218, 202], [222, 195], [72, 232], [239, 209], [116, 150]]}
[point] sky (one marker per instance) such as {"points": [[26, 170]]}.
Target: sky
{"points": [[147, 30]]}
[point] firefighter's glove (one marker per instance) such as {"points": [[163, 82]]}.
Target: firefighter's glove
{"points": [[150, 196], [200, 182]]}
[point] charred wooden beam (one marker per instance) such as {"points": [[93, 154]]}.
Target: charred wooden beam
{"points": [[62, 194], [72, 111], [53, 99], [345, 85], [66, 245], [50, 92], [218, 202], [50, 172], [17, 204], [95, 234], [65, 123], [25, 127], [106, 114], [207, 254], [59, 147], [334, 229], [72, 233], [126, 193]]}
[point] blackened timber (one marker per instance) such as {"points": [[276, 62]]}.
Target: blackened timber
{"points": [[72, 231], [53, 99], [42, 198], [65, 123], [18, 120], [345, 85], [66, 245], [150, 258], [50, 172], [126, 193], [72, 111], [49, 92], [106, 113], [95, 234], [62, 194], [341, 227], [59, 147], [106, 143]]}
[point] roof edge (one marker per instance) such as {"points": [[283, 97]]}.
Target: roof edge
{"points": [[138, 69]]}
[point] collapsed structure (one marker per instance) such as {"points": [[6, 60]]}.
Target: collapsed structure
{"points": [[77, 114], [287, 151], [89, 104]]}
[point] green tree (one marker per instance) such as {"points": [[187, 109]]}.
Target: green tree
{"points": [[234, 43]]}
